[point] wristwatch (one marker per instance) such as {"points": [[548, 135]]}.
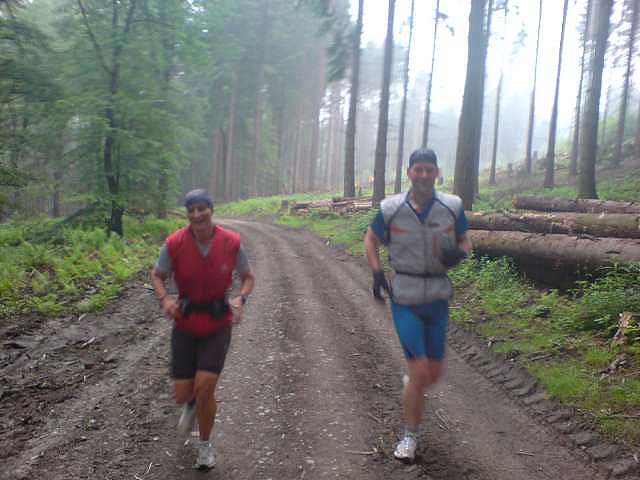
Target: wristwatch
{"points": [[243, 298]]}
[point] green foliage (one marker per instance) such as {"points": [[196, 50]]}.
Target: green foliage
{"points": [[598, 358], [78, 270], [570, 383], [599, 302], [347, 231]]}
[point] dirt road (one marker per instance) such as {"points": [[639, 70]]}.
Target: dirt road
{"points": [[311, 389]]}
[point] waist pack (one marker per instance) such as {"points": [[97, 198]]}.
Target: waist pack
{"points": [[421, 275], [216, 307]]}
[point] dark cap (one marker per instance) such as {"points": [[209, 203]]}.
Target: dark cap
{"points": [[425, 155], [199, 195]]}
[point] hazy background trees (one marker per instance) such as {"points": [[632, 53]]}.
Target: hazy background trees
{"points": [[109, 107]]}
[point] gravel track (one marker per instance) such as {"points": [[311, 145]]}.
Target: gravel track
{"points": [[311, 389]]}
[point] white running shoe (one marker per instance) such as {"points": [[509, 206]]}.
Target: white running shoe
{"points": [[206, 456], [406, 449], [187, 419]]}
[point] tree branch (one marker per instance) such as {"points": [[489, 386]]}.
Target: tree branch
{"points": [[94, 41], [127, 27]]}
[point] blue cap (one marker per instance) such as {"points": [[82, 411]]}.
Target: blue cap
{"points": [[199, 195]]}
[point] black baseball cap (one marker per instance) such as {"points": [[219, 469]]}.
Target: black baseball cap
{"points": [[425, 155], [199, 195]]}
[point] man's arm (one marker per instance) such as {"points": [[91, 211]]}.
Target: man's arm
{"points": [[168, 304], [372, 249], [246, 287], [248, 281]]}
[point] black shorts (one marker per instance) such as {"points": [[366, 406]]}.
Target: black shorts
{"points": [[190, 354]]}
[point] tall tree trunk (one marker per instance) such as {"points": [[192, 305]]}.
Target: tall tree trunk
{"points": [[334, 166], [297, 150], [257, 121], [216, 160], [470, 124], [622, 118], [383, 117], [636, 142], [575, 143], [403, 110], [168, 49], [487, 38], [228, 163], [56, 210], [549, 179], [427, 108], [532, 106], [340, 139], [589, 134], [117, 43], [605, 116], [318, 95], [350, 139], [496, 132]]}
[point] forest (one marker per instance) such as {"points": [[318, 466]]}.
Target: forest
{"points": [[114, 107], [298, 117]]}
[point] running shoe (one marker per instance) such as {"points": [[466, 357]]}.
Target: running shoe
{"points": [[187, 418], [206, 456], [406, 449]]}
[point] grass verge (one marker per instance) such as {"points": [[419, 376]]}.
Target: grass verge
{"points": [[50, 269]]}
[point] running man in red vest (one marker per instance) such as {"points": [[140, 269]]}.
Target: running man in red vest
{"points": [[202, 258]]}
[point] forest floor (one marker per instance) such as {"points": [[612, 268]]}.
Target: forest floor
{"points": [[311, 389]]}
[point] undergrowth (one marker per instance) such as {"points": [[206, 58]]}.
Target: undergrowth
{"points": [[564, 340], [52, 269]]}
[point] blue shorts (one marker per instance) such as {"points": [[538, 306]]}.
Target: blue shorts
{"points": [[422, 329]]}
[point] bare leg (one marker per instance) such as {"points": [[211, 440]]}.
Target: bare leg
{"points": [[423, 373], [183, 390], [205, 388]]}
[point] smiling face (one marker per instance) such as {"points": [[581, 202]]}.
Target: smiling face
{"points": [[423, 176], [199, 215]]}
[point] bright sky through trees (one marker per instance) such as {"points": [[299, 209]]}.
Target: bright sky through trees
{"points": [[452, 51]]}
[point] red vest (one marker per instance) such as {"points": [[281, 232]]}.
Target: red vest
{"points": [[202, 279]]}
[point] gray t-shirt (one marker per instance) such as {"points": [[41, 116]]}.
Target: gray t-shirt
{"points": [[165, 265]]}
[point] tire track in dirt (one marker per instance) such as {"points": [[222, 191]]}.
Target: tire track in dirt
{"points": [[331, 410], [472, 429]]}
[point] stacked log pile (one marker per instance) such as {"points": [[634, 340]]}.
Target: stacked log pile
{"points": [[586, 236], [340, 205], [550, 233]]}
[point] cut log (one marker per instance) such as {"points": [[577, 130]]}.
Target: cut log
{"points": [[556, 251], [619, 225], [306, 205], [555, 204]]}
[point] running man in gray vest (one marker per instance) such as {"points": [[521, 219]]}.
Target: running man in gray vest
{"points": [[425, 233]]}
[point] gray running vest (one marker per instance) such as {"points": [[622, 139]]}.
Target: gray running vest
{"points": [[415, 248]]}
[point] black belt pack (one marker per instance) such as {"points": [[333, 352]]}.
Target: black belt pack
{"points": [[422, 275], [216, 307]]}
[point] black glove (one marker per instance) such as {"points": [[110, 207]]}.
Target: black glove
{"points": [[453, 256], [380, 281]]}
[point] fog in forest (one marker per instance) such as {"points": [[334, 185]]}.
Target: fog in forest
{"points": [[132, 103]]}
